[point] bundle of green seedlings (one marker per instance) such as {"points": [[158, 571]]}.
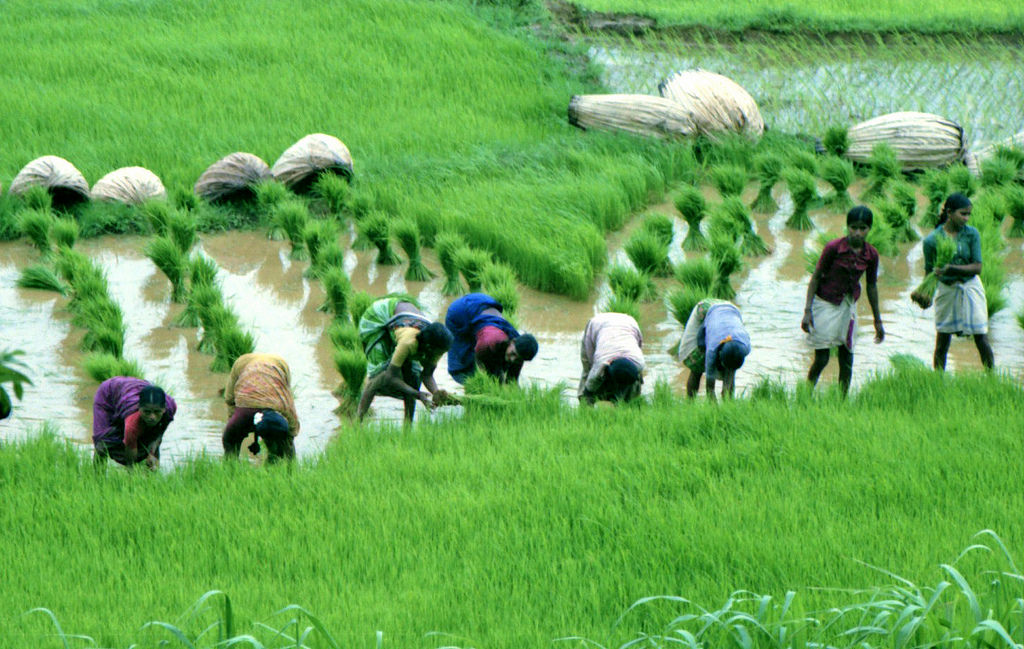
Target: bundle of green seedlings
{"points": [[337, 293], [12, 370], [64, 232], [445, 245], [320, 237], [997, 171], [358, 304], [1013, 197], [376, 227], [291, 217], [698, 273], [961, 180], [499, 281], [680, 302], [895, 216], [408, 235], [691, 204], [836, 141], [630, 284], [649, 253], [660, 225], [101, 366], [1014, 155], [268, 195], [332, 191], [168, 257], [182, 228], [622, 304], [41, 277], [37, 197], [993, 270], [202, 273], [221, 327], [803, 191], [839, 173], [350, 361], [727, 260], [935, 184], [804, 160], [883, 237], [729, 180], [923, 295], [471, 263], [883, 168], [35, 225], [157, 214], [362, 202], [767, 169], [813, 247], [750, 242]]}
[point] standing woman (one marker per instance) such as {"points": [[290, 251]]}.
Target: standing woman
{"points": [[830, 314], [129, 417], [960, 305]]}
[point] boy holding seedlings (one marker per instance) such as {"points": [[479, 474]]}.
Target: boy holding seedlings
{"points": [[613, 363], [960, 304], [129, 417], [830, 314], [259, 395], [483, 335], [402, 349], [715, 343]]}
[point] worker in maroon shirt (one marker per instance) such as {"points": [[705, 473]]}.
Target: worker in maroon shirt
{"points": [[483, 336], [830, 316]]}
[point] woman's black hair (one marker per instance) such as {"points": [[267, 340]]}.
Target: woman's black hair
{"points": [[955, 201], [860, 214], [152, 396], [435, 336]]}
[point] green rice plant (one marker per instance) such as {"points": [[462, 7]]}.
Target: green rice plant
{"points": [[648, 254], [993, 278], [696, 273], [623, 304], [201, 296], [836, 140], [628, 282], [183, 198], [961, 180], [935, 184], [729, 180], [213, 316], [156, 214], [97, 218], [691, 204], [37, 197], [358, 304], [169, 258], [181, 228], [471, 263], [896, 218], [1020, 318], [1014, 201], [661, 226], [499, 281], [507, 294], [291, 217], [990, 210], [318, 234], [362, 200], [337, 292], [767, 169], [837, 172], [64, 232], [269, 194], [728, 260], [680, 302], [804, 160], [104, 337], [230, 343], [344, 335], [376, 227], [408, 235], [35, 224], [923, 295], [86, 288], [883, 237], [332, 190], [42, 278], [998, 171], [905, 195], [328, 256], [803, 191], [351, 365], [750, 243], [202, 271], [883, 168], [73, 267], [101, 366], [12, 370], [446, 244], [812, 250]]}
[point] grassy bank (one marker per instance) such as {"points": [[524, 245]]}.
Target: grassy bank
{"points": [[511, 527]]}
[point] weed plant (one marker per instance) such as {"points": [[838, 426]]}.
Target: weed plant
{"points": [[64, 232], [175, 264], [291, 217], [623, 304], [837, 172], [41, 277], [696, 273], [961, 180], [445, 246], [728, 260], [631, 284], [35, 225], [333, 191], [691, 204], [768, 169], [729, 180], [337, 293], [471, 264], [408, 235], [803, 191], [1014, 201], [648, 253], [101, 366], [660, 225], [351, 365], [836, 140], [935, 184], [896, 218]]}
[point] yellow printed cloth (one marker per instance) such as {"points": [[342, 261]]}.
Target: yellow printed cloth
{"points": [[262, 381]]}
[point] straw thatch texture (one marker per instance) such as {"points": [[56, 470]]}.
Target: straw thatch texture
{"points": [[920, 140], [129, 185], [231, 176], [65, 183], [974, 160], [303, 161], [716, 103], [639, 114]]}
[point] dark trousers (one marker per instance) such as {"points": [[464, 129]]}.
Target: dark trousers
{"points": [[240, 425]]}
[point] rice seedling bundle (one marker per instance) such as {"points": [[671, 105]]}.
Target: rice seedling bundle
{"points": [[202, 271], [661, 226], [729, 180], [101, 366], [728, 260], [351, 365], [923, 295], [916, 140], [804, 160], [1014, 201], [750, 242], [74, 266], [37, 198], [291, 218], [316, 235], [60, 180], [836, 140], [998, 171], [680, 302], [106, 338], [838, 172], [715, 103], [156, 214], [130, 186], [35, 225], [85, 288], [337, 291], [696, 273], [935, 184], [499, 281], [269, 194], [648, 254], [202, 295], [629, 283], [961, 180], [230, 343], [214, 317], [302, 163], [358, 304], [768, 169], [182, 228], [408, 235], [990, 208], [42, 278], [691, 204], [896, 218], [1014, 155], [333, 191], [183, 198], [64, 233], [471, 263], [377, 228], [168, 257], [638, 114], [883, 238], [233, 177], [1011, 148], [622, 304], [883, 168], [329, 256], [993, 278], [803, 191], [812, 250], [344, 335]]}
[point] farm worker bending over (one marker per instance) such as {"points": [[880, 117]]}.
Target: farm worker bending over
{"points": [[960, 304], [484, 336], [714, 344], [129, 417], [259, 394], [613, 364], [830, 316], [402, 349]]}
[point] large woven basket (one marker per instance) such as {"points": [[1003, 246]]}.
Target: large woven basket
{"points": [[974, 160], [920, 140], [714, 102], [639, 114], [129, 185], [303, 161], [233, 176], [65, 183]]}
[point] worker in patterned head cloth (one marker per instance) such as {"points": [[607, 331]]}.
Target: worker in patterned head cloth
{"points": [[613, 362], [259, 394], [129, 418], [714, 345]]}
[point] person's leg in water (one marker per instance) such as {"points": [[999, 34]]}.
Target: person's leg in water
{"points": [[845, 368], [820, 361], [412, 379], [988, 359], [941, 349]]}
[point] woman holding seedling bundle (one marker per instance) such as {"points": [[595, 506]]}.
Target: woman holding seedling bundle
{"points": [[129, 417], [259, 394], [952, 254], [830, 316], [402, 349], [613, 364], [482, 334], [715, 344]]}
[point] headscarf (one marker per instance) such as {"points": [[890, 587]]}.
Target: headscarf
{"points": [[526, 346]]}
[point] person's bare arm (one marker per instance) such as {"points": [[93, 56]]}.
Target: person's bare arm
{"points": [[872, 291], [812, 289]]}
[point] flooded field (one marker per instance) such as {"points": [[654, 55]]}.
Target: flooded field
{"points": [[279, 306]]}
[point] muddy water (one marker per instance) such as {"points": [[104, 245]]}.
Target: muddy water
{"points": [[279, 306]]}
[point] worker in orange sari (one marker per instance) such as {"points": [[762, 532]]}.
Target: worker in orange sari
{"points": [[259, 393]]}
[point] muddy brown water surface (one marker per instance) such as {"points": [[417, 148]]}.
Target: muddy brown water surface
{"points": [[279, 306]]}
